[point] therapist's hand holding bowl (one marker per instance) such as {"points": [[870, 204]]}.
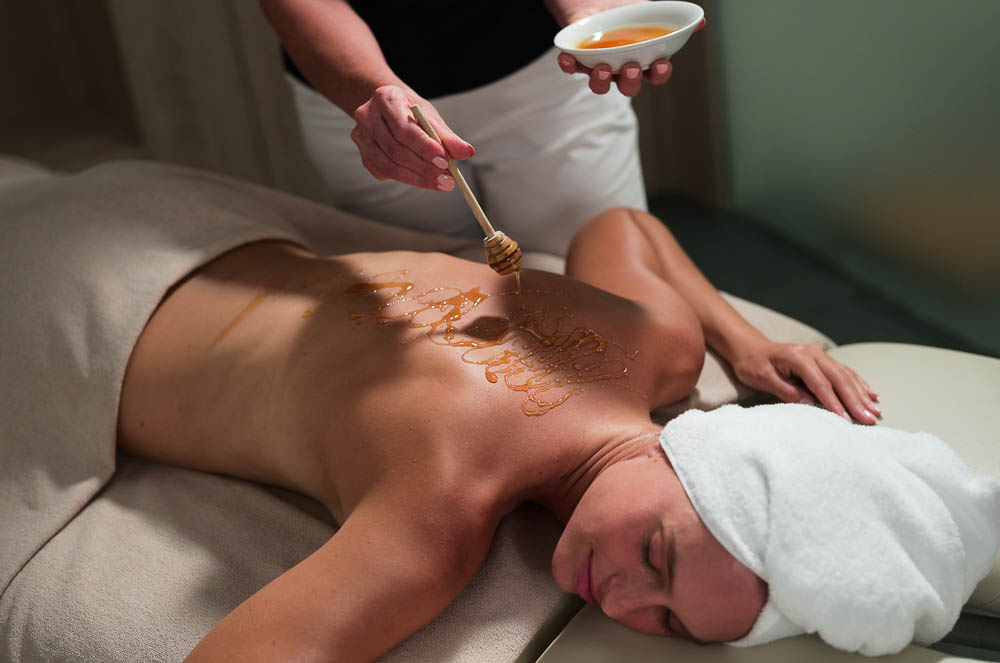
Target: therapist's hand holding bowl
{"points": [[629, 64]]}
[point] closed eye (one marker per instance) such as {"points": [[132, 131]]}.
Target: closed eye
{"points": [[647, 559]]}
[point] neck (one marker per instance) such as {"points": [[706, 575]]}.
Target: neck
{"points": [[570, 479]]}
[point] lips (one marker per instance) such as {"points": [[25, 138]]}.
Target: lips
{"points": [[585, 580]]}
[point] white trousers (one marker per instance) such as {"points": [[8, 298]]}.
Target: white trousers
{"points": [[550, 154]]}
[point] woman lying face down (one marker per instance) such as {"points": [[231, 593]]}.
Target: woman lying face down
{"points": [[635, 545], [421, 398]]}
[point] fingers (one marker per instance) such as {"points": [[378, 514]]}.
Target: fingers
{"points": [[393, 146], [600, 79], [629, 79], [806, 374], [404, 143], [384, 166], [787, 390], [701, 25], [659, 72], [837, 387], [851, 390], [457, 148], [569, 65], [867, 388], [868, 395], [826, 391]]}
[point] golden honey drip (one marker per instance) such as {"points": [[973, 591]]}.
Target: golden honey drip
{"points": [[257, 300], [537, 352]]}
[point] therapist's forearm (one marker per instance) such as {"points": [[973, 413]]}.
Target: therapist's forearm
{"points": [[333, 47], [569, 11]]}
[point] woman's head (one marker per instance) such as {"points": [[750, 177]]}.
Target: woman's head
{"points": [[636, 546]]}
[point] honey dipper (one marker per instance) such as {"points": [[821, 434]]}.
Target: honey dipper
{"points": [[502, 253]]}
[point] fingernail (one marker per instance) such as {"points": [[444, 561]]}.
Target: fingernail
{"points": [[604, 75], [846, 416], [806, 401], [631, 72], [661, 68], [440, 162], [445, 182]]}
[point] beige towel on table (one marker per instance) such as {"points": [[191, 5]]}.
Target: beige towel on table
{"points": [[84, 261]]}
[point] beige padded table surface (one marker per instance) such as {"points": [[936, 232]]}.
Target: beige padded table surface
{"points": [[954, 395]]}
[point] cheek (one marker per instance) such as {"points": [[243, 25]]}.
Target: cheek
{"points": [[646, 621], [749, 596], [735, 597]]}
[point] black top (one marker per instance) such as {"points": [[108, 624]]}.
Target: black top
{"points": [[447, 46]]}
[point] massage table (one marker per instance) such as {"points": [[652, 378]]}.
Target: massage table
{"points": [[952, 394], [153, 556]]}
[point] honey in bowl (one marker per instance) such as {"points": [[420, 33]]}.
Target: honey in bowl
{"points": [[624, 36]]}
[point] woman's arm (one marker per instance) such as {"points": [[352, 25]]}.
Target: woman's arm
{"points": [[336, 50], [388, 571], [632, 254]]}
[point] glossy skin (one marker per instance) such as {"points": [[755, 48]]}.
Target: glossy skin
{"points": [[255, 367], [340, 56]]}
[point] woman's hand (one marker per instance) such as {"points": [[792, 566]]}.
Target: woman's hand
{"points": [[629, 79], [394, 147], [806, 374]]}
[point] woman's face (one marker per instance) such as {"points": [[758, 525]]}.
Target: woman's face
{"points": [[635, 546]]}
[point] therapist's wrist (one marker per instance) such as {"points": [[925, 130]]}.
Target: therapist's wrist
{"points": [[571, 11], [360, 91]]}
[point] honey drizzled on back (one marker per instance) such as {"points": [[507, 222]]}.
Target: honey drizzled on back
{"points": [[540, 352]]}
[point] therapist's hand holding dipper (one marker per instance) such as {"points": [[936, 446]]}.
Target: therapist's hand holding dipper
{"points": [[362, 84]]}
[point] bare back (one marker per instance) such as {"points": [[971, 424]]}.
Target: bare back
{"points": [[330, 375]]}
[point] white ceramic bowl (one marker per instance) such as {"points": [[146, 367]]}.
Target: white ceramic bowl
{"points": [[683, 17]]}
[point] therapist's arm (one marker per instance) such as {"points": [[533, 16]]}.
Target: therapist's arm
{"points": [[571, 11], [337, 52]]}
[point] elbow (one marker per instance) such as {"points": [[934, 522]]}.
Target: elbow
{"points": [[683, 350], [690, 361]]}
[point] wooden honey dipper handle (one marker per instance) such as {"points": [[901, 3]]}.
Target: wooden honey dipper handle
{"points": [[463, 186]]}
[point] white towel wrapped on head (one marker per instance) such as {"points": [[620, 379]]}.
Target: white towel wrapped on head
{"points": [[868, 536]]}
